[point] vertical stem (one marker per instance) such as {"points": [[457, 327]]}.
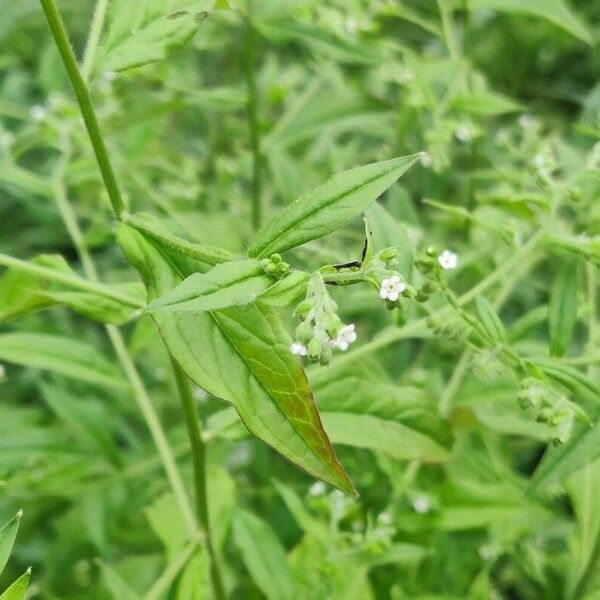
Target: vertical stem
{"points": [[93, 38], [199, 463], [251, 111], [84, 99], [449, 32]]}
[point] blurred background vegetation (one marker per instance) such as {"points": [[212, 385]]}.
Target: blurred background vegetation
{"points": [[504, 99]]}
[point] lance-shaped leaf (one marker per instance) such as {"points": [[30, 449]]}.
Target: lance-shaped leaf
{"points": [[562, 308], [240, 355], [18, 589], [73, 358], [139, 33], [490, 320], [8, 534], [328, 207], [233, 283]]}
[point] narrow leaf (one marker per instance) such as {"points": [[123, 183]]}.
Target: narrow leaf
{"points": [[63, 355], [328, 207], [490, 320], [18, 589], [389, 437], [232, 283], [263, 555], [562, 308], [8, 534], [144, 32], [555, 11]]}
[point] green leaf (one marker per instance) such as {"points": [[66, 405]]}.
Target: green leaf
{"points": [[555, 11], [389, 437], [263, 555], [144, 32], [485, 104], [338, 48], [232, 283], [8, 534], [388, 232], [22, 292], [286, 291], [328, 207], [562, 308], [118, 587], [490, 320], [63, 355], [175, 246], [18, 589], [242, 356]]}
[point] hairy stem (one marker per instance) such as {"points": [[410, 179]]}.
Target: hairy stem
{"points": [[91, 45], [198, 448], [251, 111], [84, 99]]}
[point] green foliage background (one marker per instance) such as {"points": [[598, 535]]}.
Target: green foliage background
{"points": [[462, 494]]}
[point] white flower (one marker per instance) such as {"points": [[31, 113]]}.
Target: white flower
{"points": [[463, 133], [526, 121], [448, 259], [391, 288], [317, 488], [38, 112], [385, 518], [425, 159], [422, 504], [351, 25], [346, 336], [298, 349]]}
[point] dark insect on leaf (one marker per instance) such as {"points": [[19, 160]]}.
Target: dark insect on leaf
{"points": [[178, 14]]}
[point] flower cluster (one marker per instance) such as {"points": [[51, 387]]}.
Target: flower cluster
{"points": [[552, 408], [321, 330], [275, 265]]}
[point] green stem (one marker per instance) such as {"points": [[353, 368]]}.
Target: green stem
{"points": [[84, 99], [449, 32], [93, 38], [72, 281], [158, 435], [251, 111], [198, 448]]}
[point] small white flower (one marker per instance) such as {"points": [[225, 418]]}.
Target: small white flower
{"points": [[299, 349], [391, 288], [38, 112], [385, 518], [448, 259], [463, 133], [317, 488], [425, 159], [346, 336], [422, 504], [488, 551], [526, 121], [351, 25]]}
